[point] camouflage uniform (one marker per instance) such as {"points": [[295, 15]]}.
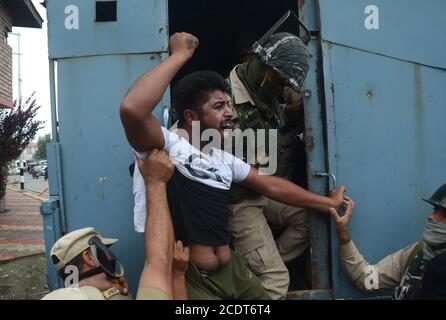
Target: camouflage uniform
{"points": [[250, 214], [401, 271]]}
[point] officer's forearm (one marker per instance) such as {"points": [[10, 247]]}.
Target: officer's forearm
{"points": [[159, 238], [179, 287], [343, 235]]}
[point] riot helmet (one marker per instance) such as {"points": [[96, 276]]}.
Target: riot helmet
{"points": [[288, 56], [286, 52], [438, 199]]}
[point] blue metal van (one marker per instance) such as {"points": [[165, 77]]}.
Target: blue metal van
{"points": [[374, 113]]}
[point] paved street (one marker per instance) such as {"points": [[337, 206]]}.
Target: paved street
{"points": [[36, 185], [22, 259]]}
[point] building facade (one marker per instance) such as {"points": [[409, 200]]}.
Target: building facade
{"points": [[28, 153], [18, 13]]}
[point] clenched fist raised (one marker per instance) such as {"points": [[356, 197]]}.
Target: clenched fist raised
{"points": [[183, 43]]}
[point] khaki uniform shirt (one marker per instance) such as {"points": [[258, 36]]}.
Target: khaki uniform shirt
{"points": [[240, 95], [93, 293], [81, 293], [391, 269], [239, 91]]}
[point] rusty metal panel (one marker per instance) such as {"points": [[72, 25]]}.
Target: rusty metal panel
{"points": [[385, 130], [378, 124], [310, 295], [308, 13], [314, 142], [95, 154], [96, 64], [140, 26], [412, 30]]}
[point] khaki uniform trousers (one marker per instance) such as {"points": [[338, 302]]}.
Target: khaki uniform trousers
{"points": [[252, 238]]}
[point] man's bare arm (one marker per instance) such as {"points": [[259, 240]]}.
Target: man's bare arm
{"points": [[286, 192], [159, 237], [141, 128]]}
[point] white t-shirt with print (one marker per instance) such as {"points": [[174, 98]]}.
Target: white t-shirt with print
{"points": [[218, 169]]}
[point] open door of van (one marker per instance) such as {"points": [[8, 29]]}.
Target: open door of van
{"points": [[375, 119]]}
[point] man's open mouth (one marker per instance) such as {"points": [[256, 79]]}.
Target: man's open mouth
{"points": [[227, 125]]}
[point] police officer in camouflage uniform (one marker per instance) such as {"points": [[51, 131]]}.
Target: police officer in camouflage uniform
{"points": [[415, 272], [257, 88]]}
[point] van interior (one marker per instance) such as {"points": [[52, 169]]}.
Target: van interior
{"points": [[225, 30]]}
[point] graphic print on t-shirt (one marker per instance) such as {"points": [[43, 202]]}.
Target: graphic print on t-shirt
{"points": [[209, 172], [216, 169]]}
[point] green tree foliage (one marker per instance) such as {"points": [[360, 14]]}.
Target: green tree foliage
{"points": [[17, 129], [41, 147]]}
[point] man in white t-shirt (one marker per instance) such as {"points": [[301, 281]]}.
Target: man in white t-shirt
{"points": [[198, 193]]}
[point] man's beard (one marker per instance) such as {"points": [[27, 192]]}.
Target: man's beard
{"points": [[224, 125]]}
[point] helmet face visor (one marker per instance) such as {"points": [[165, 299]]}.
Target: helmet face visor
{"points": [[288, 56], [284, 49], [294, 74], [107, 261]]}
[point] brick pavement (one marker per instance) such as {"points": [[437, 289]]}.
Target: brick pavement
{"points": [[21, 228]]}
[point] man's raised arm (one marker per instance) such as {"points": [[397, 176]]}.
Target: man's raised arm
{"points": [[142, 129]]}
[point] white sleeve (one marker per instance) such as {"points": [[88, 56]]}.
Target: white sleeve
{"points": [[240, 169], [169, 139], [139, 188], [139, 194]]}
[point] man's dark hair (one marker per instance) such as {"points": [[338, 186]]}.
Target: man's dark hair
{"points": [[192, 91]]}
